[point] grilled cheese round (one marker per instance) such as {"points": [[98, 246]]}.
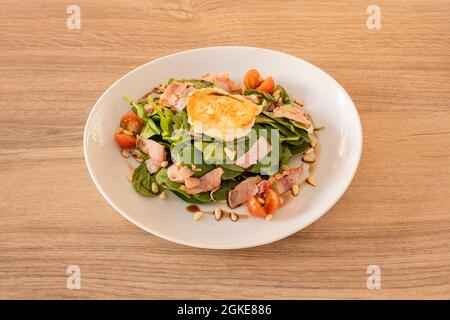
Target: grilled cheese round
{"points": [[218, 114]]}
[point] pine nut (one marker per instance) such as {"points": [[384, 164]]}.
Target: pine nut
{"points": [[163, 196], [197, 216], [312, 181], [234, 217], [313, 141], [295, 189], [218, 214], [309, 151], [139, 159], [120, 130], [164, 164], [299, 101], [268, 217], [276, 94], [309, 158], [155, 188], [128, 133], [261, 200], [130, 177], [126, 153]]}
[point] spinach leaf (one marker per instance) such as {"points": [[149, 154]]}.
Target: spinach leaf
{"points": [[266, 95], [141, 153], [197, 83], [288, 134], [229, 174], [226, 186], [295, 142], [190, 199], [300, 149], [261, 118], [283, 94], [143, 180], [264, 167], [165, 117], [149, 130], [202, 169], [180, 120], [162, 178], [231, 167], [319, 128], [286, 154], [138, 108], [281, 121], [203, 197], [303, 134]]}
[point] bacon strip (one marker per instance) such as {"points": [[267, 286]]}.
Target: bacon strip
{"points": [[258, 151], [155, 151]]}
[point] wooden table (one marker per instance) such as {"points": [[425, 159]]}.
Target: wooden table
{"points": [[396, 214]]}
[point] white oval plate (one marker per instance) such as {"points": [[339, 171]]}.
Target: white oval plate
{"points": [[325, 99]]}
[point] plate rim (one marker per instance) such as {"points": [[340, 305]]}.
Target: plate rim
{"points": [[215, 246]]}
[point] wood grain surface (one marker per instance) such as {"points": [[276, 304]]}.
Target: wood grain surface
{"points": [[396, 213]]}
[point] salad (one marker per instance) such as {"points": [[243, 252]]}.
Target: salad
{"points": [[212, 139]]}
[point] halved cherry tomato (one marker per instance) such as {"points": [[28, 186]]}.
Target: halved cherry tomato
{"points": [[125, 141], [252, 79], [255, 208], [268, 85], [271, 201], [131, 122]]}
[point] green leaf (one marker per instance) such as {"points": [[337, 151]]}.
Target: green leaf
{"points": [[141, 153], [162, 178], [229, 174], [190, 199], [303, 134], [149, 130], [138, 108], [266, 96], [203, 197], [281, 121], [180, 120], [300, 149], [232, 167], [199, 84], [319, 128], [143, 180], [286, 154], [165, 117], [222, 193], [283, 94]]}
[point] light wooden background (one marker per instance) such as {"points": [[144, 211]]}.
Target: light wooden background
{"points": [[396, 214]]}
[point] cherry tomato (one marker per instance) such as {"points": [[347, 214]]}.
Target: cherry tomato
{"points": [[271, 201], [125, 141], [252, 79], [268, 85], [255, 208], [131, 122]]}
